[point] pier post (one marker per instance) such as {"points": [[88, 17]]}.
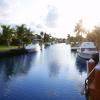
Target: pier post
{"points": [[90, 67], [97, 81], [95, 85]]}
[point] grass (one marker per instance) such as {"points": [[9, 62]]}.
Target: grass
{"points": [[6, 48]]}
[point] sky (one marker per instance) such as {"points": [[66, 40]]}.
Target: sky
{"points": [[56, 17]]}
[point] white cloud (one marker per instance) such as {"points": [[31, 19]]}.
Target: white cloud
{"points": [[3, 9], [51, 17]]}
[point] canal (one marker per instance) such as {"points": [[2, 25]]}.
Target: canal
{"points": [[51, 74]]}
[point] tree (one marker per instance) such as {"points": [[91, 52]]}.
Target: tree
{"points": [[28, 36], [94, 36], [24, 34], [42, 34], [79, 30], [47, 37], [68, 38], [7, 34]]}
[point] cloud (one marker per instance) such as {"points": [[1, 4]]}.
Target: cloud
{"points": [[3, 8], [36, 27], [3, 3], [51, 17]]}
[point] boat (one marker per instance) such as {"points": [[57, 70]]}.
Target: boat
{"points": [[47, 44], [74, 46], [33, 47], [86, 50]]}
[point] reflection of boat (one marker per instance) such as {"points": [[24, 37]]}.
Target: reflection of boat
{"points": [[86, 50], [81, 64]]}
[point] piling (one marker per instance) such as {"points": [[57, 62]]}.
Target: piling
{"points": [[90, 67], [94, 79], [97, 82]]}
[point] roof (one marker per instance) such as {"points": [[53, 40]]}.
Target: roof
{"points": [[87, 45]]}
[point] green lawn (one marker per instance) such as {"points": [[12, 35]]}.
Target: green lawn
{"points": [[5, 48]]}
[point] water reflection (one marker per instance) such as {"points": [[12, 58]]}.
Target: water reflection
{"points": [[63, 58], [81, 64], [11, 68], [16, 66], [54, 69]]}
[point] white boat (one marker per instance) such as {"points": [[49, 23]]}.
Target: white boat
{"points": [[74, 48], [86, 50], [32, 47]]}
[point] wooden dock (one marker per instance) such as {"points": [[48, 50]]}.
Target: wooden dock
{"points": [[92, 82]]}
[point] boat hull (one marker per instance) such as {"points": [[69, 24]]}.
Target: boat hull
{"points": [[31, 50], [85, 56]]}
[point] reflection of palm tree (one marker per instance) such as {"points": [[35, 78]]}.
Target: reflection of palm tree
{"points": [[16, 66], [12, 67]]}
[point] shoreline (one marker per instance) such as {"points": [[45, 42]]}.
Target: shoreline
{"points": [[12, 52]]}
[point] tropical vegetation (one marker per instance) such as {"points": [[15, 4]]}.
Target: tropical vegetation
{"points": [[80, 31], [20, 36]]}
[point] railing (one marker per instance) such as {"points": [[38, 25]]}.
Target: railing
{"points": [[86, 90]]}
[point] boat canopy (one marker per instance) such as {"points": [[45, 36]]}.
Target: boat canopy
{"points": [[88, 45]]}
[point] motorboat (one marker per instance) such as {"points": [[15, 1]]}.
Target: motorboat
{"points": [[74, 47], [47, 44], [86, 50], [33, 47]]}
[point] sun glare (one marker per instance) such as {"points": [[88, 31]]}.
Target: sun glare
{"points": [[89, 25]]}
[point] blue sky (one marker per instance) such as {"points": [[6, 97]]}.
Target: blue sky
{"points": [[57, 17]]}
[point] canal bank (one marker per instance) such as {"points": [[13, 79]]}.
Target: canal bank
{"points": [[31, 48], [12, 52]]}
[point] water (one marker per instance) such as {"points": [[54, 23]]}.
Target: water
{"points": [[51, 74]]}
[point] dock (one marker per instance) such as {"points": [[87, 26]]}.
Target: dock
{"points": [[92, 82]]}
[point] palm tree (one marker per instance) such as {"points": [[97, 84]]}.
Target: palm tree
{"points": [[95, 34], [23, 34], [42, 34], [28, 36], [47, 37], [79, 29], [7, 33]]}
